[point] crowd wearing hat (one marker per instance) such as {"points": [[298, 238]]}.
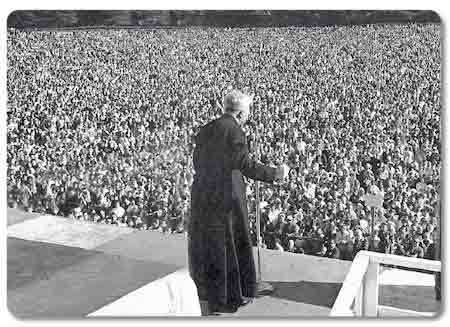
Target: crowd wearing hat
{"points": [[101, 125]]}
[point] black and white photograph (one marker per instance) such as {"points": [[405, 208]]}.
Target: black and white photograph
{"points": [[224, 164]]}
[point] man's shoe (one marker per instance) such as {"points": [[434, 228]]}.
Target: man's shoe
{"points": [[246, 300], [229, 308]]}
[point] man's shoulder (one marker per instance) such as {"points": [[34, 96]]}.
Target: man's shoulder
{"points": [[224, 122], [227, 121], [211, 124]]}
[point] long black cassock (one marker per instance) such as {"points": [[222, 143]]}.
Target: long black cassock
{"points": [[220, 252]]}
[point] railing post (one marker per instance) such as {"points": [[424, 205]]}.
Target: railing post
{"points": [[370, 291], [359, 299], [359, 293]]}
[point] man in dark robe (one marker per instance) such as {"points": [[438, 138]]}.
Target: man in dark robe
{"points": [[220, 252]]}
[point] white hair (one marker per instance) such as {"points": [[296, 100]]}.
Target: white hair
{"points": [[236, 101]]}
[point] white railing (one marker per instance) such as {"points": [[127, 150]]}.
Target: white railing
{"points": [[359, 293]]}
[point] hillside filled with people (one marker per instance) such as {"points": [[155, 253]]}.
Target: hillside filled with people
{"points": [[101, 126]]}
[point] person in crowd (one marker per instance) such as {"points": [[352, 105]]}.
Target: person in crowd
{"points": [[118, 211], [332, 250], [360, 243], [323, 251], [416, 250]]}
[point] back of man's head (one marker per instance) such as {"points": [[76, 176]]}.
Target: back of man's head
{"points": [[236, 101]]}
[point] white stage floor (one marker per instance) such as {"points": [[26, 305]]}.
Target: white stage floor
{"points": [[172, 295]]}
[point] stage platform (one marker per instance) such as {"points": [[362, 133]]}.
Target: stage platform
{"points": [[59, 268]]}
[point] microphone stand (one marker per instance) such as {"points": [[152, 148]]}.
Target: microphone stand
{"points": [[263, 288]]}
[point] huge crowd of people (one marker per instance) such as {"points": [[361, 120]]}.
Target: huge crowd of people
{"points": [[101, 125]]}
